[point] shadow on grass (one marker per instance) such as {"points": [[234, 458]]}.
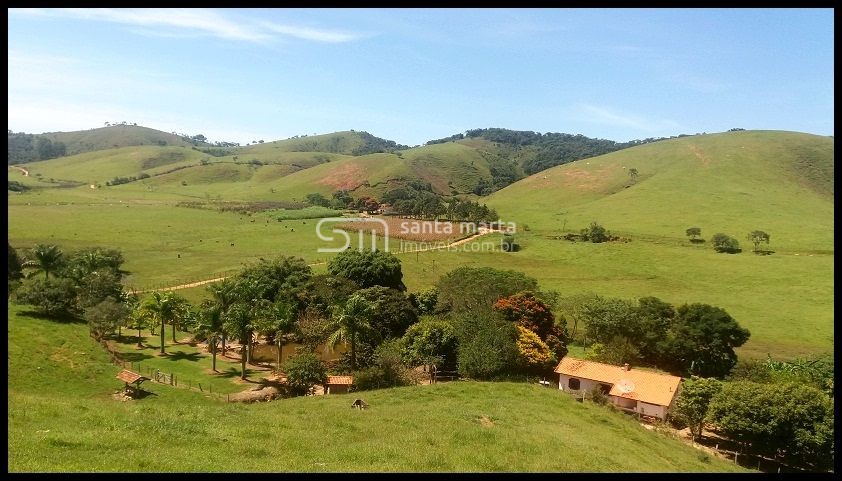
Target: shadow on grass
{"points": [[60, 318], [697, 241], [764, 253], [234, 373], [184, 356], [132, 356]]}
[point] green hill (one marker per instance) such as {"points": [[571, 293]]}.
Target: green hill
{"points": [[735, 182], [62, 417], [30, 147]]}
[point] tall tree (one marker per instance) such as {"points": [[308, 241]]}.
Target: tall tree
{"points": [[693, 232], [701, 341], [349, 321], [48, 258], [165, 308], [633, 173], [209, 323], [756, 237], [693, 402], [15, 271], [368, 268]]}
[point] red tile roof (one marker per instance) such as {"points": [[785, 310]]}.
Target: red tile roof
{"points": [[340, 380], [130, 377], [645, 386]]}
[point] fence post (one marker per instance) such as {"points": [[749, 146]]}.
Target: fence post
{"points": [[172, 380], [200, 387]]}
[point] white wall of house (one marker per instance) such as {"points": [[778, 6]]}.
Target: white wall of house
{"points": [[584, 384]]}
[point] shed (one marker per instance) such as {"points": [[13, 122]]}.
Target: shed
{"points": [[338, 384], [132, 380]]}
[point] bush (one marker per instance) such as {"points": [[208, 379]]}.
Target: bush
{"points": [[487, 346], [430, 341], [508, 244], [425, 301], [303, 372], [595, 233], [387, 370], [534, 356], [54, 297], [725, 243]]}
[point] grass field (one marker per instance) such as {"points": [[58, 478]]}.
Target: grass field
{"points": [[61, 417], [780, 182]]}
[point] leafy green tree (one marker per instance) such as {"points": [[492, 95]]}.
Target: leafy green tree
{"points": [[633, 173], [693, 402], [701, 341], [96, 286], [325, 290], [368, 268], [53, 297], [139, 318], [693, 233], [425, 301], [757, 237], [391, 312], [430, 341], [617, 351], [607, 318], [349, 321], [508, 244], [105, 317], [15, 265], [318, 199], [303, 372], [387, 369], [725, 243], [793, 420], [474, 289], [487, 345], [595, 233], [166, 308], [655, 318], [47, 258]]}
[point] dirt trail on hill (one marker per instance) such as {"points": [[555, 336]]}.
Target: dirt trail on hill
{"points": [[481, 232], [23, 171]]}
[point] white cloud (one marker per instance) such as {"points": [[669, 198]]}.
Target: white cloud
{"points": [[190, 22], [605, 116]]}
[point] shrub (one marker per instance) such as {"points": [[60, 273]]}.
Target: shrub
{"points": [[303, 372], [430, 341], [595, 233], [725, 243], [387, 370], [54, 297], [534, 356], [487, 346]]}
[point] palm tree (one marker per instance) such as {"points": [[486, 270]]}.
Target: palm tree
{"points": [[238, 321], [167, 307], [350, 320], [283, 317], [210, 323], [47, 258], [222, 296]]}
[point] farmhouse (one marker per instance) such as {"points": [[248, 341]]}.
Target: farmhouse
{"points": [[633, 390], [338, 384]]}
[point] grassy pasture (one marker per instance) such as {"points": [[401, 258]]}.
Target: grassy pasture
{"points": [[62, 418]]}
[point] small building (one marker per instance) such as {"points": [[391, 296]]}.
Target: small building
{"points": [[338, 384], [634, 390]]}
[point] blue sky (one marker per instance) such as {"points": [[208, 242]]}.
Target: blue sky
{"points": [[415, 75]]}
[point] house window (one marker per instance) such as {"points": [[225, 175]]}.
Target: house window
{"points": [[605, 388], [573, 383]]}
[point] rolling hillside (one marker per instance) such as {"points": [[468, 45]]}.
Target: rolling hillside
{"points": [[62, 418], [779, 182]]}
